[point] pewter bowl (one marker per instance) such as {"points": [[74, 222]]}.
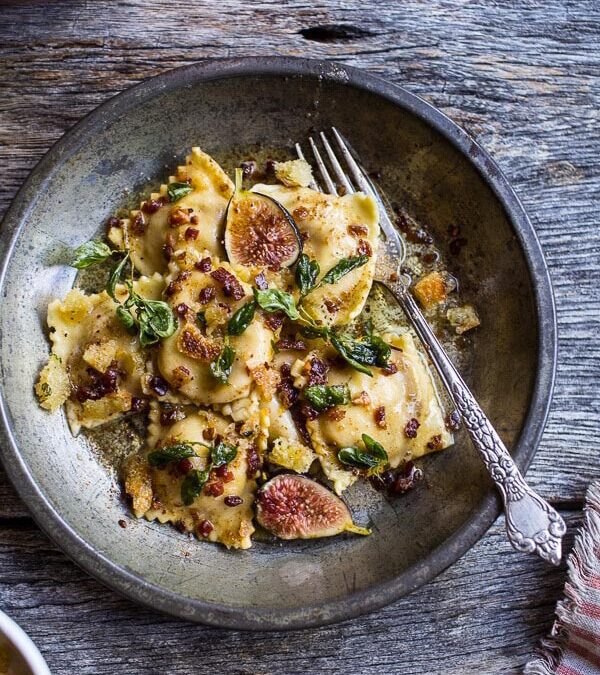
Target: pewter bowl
{"points": [[429, 166]]}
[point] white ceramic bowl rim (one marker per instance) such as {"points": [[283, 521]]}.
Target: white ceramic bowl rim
{"points": [[23, 644]]}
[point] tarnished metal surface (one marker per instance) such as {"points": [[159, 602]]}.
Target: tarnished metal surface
{"points": [[430, 165]]}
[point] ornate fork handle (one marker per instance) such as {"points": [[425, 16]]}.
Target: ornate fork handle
{"points": [[533, 526]]}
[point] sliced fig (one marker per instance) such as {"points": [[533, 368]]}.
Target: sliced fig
{"points": [[295, 507], [259, 231]]}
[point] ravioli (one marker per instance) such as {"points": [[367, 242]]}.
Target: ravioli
{"points": [[156, 493], [103, 363], [185, 358], [333, 228], [193, 223], [384, 407]]}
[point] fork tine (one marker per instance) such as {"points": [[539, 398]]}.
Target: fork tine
{"points": [[299, 151], [335, 165], [313, 185], [365, 184], [329, 184], [358, 175]]}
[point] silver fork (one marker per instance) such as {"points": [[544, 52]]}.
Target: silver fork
{"points": [[533, 526]]}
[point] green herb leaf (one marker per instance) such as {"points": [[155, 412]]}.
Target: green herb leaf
{"points": [[321, 397], [46, 392], [274, 300], [375, 448], [381, 350], [90, 253], [115, 277], [156, 320], [307, 271], [371, 350], [222, 453], [354, 457], [313, 332], [124, 316], [344, 267], [192, 485], [201, 320], [345, 351], [178, 190], [373, 455], [172, 453], [221, 366], [241, 319]]}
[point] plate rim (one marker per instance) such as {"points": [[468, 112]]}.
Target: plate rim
{"points": [[355, 604]]}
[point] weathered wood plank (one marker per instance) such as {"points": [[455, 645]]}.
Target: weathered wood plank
{"points": [[484, 615], [523, 78]]}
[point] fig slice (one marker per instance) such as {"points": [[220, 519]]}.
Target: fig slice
{"points": [[259, 231], [295, 507]]}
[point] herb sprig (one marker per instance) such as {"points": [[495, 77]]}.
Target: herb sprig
{"points": [[152, 319], [307, 272], [90, 253], [371, 457], [220, 368], [370, 350], [322, 397], [176, 191], [191, 487]]}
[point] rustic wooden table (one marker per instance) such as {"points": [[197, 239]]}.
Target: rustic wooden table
{"points": [[524, 79]]}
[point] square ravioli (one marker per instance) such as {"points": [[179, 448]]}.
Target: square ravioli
{"points": [[223, 510], [96, 366], [168, 222], [333, 229], [206, 297], [397, 407]]}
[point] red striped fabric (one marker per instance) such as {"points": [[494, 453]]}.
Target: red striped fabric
{"points": [[565, 670], [573, 647], [590, 609]]}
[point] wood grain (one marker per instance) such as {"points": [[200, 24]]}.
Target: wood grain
{"points": [[523, 78], [10, 505], [483, 615]]}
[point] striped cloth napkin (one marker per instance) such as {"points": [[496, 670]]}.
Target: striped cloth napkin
{"points": [[573, 647]]}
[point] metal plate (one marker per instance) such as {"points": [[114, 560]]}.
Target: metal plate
{"points": [[431, 166]]}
